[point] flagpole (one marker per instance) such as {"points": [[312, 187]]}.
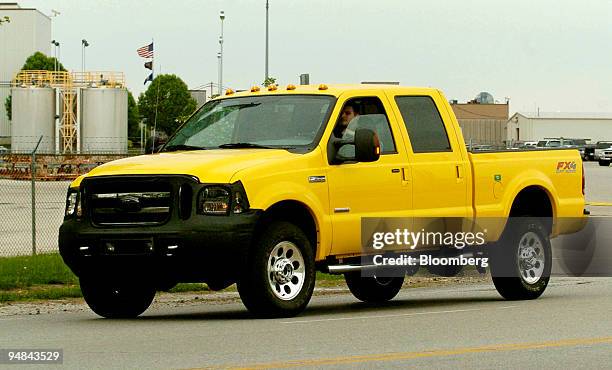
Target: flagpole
{"points": [[155, 119]]}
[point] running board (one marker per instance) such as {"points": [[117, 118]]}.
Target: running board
{"points": [[341, 269]]}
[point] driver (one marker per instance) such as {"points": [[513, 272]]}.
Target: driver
{"points": [[349, 113]]}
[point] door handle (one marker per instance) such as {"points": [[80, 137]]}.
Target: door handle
{"points": [[459, 172], [405, 177]]}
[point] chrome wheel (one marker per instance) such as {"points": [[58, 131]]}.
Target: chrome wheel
{"points": [[286, 270], [531, 258]]}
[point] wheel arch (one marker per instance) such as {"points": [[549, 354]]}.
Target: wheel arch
{"points": [[295, 212], [536, 201]]}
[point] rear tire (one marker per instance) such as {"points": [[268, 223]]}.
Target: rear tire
{"points": [[521, 260], [117, 299], [372, 289], [604, 163], [279, 276]]}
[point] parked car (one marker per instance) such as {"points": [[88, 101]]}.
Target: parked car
{"points": [[599, 148], [605, 157], [579, 144], [3, 150]]}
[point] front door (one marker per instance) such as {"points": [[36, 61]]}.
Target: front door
{"points": [[376, 189]]}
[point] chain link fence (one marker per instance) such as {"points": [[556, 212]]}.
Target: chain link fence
{"points": [[33, 190]]}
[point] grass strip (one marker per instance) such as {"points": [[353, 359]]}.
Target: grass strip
{"points": [[45, 276]]}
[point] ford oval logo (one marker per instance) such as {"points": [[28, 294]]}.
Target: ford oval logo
{"points": [[130, 203]]}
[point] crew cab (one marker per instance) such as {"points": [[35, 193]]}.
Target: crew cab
{"points": [[263, 188]]}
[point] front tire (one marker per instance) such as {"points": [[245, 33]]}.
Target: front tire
{"points": [[521, 260], [117, 299], [373, 289], [279, 276]]}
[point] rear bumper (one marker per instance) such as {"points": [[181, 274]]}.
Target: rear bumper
{"points": [[199, 249]]}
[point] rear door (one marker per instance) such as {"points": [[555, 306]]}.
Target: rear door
{"points": [[438, 163]]}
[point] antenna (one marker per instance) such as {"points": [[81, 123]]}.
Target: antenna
{"points": [[55, 13]]}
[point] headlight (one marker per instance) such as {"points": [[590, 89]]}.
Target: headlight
{"points": [[214, 200], [73, 203]]}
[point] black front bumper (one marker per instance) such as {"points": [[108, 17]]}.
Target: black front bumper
{"points": [[201, 248]]}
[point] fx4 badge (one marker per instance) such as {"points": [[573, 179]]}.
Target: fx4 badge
{"points": [[566, 167]]}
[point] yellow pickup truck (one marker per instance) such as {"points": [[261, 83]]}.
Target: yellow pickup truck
{"points": [[265, 187]]}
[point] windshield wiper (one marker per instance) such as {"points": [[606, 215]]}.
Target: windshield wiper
{"points": [[174, 148], [245, 145]]}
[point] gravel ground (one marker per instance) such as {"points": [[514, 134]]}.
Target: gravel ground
{"points": [[230, 295]]}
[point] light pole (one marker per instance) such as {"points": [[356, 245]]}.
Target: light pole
{"points": [[267, 21], [222, 17], [54, 14], [84, 44], [218, 71], [55, 52]]}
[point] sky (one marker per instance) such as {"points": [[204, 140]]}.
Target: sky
{"points": [[552, 55]]}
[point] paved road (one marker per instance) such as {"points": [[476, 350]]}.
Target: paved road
{"points": [[465, 326]]}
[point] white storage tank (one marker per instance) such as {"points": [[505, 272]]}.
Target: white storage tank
{"points": [[33, 115], [104, 115]]}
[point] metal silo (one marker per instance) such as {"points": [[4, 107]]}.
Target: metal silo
{"points": [[104, 120], [33, 114]]}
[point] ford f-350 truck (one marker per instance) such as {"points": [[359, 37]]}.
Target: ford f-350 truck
{"points": [[265, 187]]}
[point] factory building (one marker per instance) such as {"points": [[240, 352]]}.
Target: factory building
{"points": [[482, 120], [27, 32], [199, 96], [534, 126], [78, 112]]}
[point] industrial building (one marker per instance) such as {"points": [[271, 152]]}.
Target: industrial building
{"points": [[79, 112], [199, 96], [27, 32], [482, 120], [533, 126]]}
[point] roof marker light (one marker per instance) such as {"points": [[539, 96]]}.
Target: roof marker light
{"points": [[290, 87], [322, 87], [229, 92], [255, 88], [273, 87]]}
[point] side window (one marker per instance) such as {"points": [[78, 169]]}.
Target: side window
{"points": [[367, 112], [423, 123]]}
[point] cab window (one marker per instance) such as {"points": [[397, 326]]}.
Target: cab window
{"points": [[424, 124], [365, 112]]}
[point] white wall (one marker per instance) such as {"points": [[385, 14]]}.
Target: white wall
{"points": [[536, 129], [28, 31]]}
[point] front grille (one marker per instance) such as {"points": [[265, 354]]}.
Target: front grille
{"points": [[127, 202], [130, 208]]}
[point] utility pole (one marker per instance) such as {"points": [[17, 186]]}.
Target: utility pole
{"points": [[267, 36], [222, 17]]}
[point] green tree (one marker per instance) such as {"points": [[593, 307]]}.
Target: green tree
{"points": [[5, 19], [133, 117], [35, 62], [171, 97], [41, 62], [8, 104], [269, 81]]}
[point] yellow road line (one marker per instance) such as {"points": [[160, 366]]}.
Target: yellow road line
{"points": [[599, 204], [401, 356]]}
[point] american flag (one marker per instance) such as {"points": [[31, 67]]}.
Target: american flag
{"points": [[146, 51]]}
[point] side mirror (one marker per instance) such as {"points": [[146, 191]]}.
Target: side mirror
{"points": [[367, 145]]}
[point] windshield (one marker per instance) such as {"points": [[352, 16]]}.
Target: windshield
{"points": [[604, 144], [280, 121]]}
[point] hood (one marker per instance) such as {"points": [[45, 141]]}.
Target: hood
{"points": [[209, 166]]}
